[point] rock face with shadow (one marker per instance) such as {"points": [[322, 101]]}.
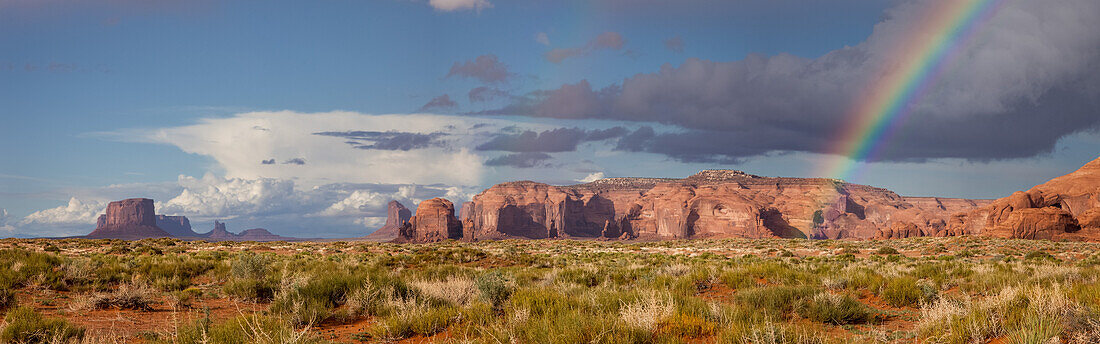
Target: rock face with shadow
{"points": [[1064, 208], [434, 221], [396, 216], [130, 219], [177, 226], [709, 204]]}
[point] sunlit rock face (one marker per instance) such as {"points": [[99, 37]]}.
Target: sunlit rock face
{"points": [[434, 221], [1065, 208], [128, 219], [709, 204]]}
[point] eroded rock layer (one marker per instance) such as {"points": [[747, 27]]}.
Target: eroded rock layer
{"points": [[709, 204], [1065, 208], [132, 218], [396, 216], [434, 221]]}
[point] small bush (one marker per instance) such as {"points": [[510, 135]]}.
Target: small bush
{"points": [[835, 309], [24, 325], [494, 288], [902, 292]]}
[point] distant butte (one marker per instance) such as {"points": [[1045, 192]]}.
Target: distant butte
{"points": [[135, 219]]}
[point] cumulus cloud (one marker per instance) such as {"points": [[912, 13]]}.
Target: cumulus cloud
{"points": [[519, 160], [675, 44], [591, 177], [217, 197], [268, 162], [76, 212], [235, 148], [486, 68], [554, 140], [457, 5], [388, 140], [442, 102], [1027, 78], [605, 41], [295, 161]]}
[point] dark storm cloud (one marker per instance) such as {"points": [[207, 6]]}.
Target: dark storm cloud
{"points": [[442, 102], [387, 140], [554, 140], [675, 44], [519, 160], [268, 162], [484, 94], [606, 40], [1022, 83], [486, 68]]}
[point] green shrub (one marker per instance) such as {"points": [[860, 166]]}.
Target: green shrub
{"points": [[775, 299], [494, 287], [313, 301], [24, 325], [902, 292], [835, 309]]}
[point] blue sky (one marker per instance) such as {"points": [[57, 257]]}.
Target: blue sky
{"points": [[102, 100]]}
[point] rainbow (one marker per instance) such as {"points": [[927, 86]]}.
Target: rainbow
{"points": [[945, 27]]}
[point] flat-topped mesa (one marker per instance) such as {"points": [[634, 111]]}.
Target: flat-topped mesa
{"points": [[711, 203], [132, 218]]}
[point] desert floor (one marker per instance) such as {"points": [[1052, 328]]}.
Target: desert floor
{"points": [[935, 290]]}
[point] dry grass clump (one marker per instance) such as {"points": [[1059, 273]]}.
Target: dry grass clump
{"points": [[457, 291], [131, 296], [647, 312], [1031, 314]]}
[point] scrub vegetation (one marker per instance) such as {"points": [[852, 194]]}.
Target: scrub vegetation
{"points": [[921, 290]]}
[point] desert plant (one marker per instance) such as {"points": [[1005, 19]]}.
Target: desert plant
{"points": [[25, 325], [495, 288], [835, 309]]}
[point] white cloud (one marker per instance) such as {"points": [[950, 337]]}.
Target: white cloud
{"points": [[239, 147], [362, 201], [4, 226], [75, 212], [371, 221], [213, 196], [542, 38], [592, 177], [455, 5]]}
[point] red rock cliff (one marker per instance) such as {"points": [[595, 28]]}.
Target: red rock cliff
{"points": [[1064, 208], [396, 216], [128, 219], [434, 221], [713, 203]]}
